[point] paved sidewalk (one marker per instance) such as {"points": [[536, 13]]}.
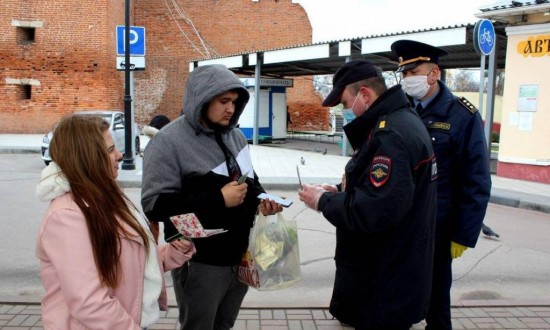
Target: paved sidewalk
{"points": [[498, 317]]}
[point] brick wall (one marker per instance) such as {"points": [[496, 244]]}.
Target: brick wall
{"points": [[71, 61], [304, 106], [225, 27], [73, 56]]}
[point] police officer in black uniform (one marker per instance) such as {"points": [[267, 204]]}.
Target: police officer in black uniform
{"points": [[384, 210], [464, 179]]}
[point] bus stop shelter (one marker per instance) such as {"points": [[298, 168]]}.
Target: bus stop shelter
{"points": [[326, 57]]}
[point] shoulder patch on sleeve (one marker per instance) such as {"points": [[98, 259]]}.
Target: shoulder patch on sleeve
{"points": [[380, 170], [467, 104]]}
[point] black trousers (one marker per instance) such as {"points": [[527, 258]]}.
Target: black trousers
{"points": [[439, 312]]}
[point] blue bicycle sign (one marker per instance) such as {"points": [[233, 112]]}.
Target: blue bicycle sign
{"points": [[484, 37]]}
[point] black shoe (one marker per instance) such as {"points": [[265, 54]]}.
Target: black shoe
{"points": [[346, 325], [343, 324]]}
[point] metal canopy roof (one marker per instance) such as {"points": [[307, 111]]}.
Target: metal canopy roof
{"points": [[505, 11], [327, 57]]}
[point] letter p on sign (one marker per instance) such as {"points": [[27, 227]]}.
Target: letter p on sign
{"points": [[137, 40]]}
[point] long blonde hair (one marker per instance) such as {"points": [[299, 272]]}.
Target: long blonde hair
{"points": [[78, 147]]}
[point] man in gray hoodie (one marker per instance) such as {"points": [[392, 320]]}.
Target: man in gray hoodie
{"points": [[192, 166]]}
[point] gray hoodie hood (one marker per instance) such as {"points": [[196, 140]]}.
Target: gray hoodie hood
{"points": [[184, 149], [206, 82]]}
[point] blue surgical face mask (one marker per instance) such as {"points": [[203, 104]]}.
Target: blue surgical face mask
{"points": [[348, 112]]}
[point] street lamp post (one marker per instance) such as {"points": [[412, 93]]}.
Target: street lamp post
{"points": [[128, 160]]}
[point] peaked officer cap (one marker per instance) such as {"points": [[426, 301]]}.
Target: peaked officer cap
{"points": [[413, 53], [349, 73]]}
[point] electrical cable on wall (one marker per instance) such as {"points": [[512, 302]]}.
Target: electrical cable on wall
{"points": [[184, 17]]}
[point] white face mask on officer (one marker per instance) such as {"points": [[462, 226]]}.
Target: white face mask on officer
{"points": [[416, 86]]}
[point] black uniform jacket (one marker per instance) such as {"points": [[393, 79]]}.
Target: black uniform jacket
{"points": [[385, 218]]}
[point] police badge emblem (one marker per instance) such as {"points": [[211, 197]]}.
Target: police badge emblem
{"points": [[380, 170]]}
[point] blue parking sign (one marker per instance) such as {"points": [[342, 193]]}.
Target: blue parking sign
{"points": [[137, 40]]}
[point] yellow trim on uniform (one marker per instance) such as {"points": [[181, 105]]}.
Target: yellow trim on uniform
{"points": [[420, 58]]}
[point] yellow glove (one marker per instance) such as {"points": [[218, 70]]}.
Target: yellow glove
{"points": [[457, 249]]}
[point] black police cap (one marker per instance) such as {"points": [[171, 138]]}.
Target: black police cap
{"points": [[413, 53], [349, 73]]}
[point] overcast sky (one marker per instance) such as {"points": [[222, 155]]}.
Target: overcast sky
{"points": [[341, 19]]}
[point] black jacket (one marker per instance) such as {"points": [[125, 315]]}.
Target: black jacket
{"points": [[385, 218]]}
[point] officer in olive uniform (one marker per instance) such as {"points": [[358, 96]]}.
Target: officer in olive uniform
{"points": [[384, 210], [464, 179]]}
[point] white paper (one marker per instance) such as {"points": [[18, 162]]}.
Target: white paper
{"points": [[276, 199], [528, 97], [525, 121], [513, 119]]}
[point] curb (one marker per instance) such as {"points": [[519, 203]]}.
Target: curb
{"points": [[19, 150], [35, 300], [505, 201], [518, 200]]}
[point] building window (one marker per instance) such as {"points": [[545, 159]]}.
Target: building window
{"points": [[26, 31], [25, 35], [23, 87], [25, 92]]}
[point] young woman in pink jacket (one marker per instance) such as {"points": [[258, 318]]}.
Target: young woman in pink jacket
{"points": [[99, 264]]}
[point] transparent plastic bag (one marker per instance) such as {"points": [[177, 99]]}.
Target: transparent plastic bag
{"points": [[272, 260]]}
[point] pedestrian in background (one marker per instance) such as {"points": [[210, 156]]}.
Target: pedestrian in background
{"points": [[384, 210], [464, 179], [156, 123], [192, 166], [98, 262]]}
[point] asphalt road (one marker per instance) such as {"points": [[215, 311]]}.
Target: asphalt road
{"points": [[514, 267]]}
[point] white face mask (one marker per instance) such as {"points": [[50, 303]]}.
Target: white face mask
{"points": [[416, 86]]}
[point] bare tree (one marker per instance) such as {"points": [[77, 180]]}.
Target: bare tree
{"points": [[462, 81], [391, 78], [322, 84], [499, 85]]}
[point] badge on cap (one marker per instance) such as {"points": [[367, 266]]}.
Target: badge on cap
{"points": [[411, 54], [380, 170]]}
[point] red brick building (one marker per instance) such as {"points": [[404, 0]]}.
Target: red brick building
{"points": [[59, 56]]}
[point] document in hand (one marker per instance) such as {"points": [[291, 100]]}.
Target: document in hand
{"points": [[189, 225], [283, 201]]}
